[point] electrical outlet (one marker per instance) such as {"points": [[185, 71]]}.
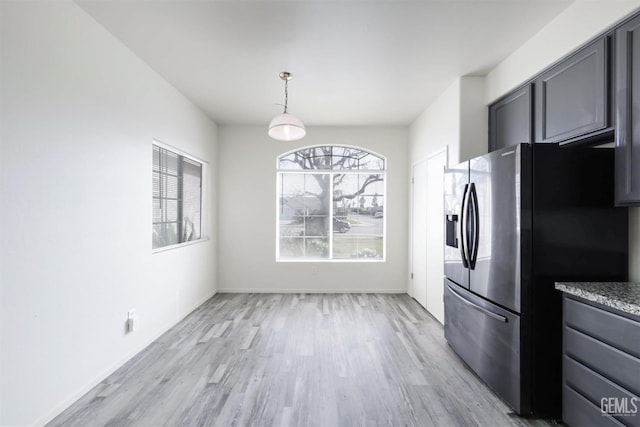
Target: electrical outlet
{"points": [[131, 323]]}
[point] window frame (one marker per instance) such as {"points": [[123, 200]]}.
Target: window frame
{"points": [[203, 196], [331, 172]]}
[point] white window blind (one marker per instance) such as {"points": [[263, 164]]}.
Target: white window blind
{"points": [[177, 198]]}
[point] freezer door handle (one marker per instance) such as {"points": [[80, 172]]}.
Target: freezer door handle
{"points": [[475, 218], [464, 241], [477, 307]]}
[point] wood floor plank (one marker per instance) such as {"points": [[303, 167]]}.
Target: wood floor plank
{"points": [[324, 360]]}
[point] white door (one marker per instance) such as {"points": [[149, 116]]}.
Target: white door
{"points": [[427, 233], [419, 233], [435, 234]]}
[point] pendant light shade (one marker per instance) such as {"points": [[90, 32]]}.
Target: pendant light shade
{"points": [[286, 127]]}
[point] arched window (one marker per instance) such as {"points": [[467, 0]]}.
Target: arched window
{"points": [[331, 204]]}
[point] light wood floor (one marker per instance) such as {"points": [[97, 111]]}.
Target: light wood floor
{"points": [[296, 360]]}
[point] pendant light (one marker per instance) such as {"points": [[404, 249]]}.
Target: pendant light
{"points": [[286, 127]]}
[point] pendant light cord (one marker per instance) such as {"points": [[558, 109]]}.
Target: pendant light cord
{"points": [[286, 95]]}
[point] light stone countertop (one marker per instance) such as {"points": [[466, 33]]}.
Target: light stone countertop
{"points": [[623, 296]]}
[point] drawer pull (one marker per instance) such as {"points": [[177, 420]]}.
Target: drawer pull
{"points": [[477, 307]]}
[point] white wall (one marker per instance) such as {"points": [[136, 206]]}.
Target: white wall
{"points": [[247, 214], [474, 120], [437, 127], [579, 23], [79, 112]]}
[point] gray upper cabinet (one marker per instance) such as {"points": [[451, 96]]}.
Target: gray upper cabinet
{"points": [[572, 98], [510, 119], [628, 113]]}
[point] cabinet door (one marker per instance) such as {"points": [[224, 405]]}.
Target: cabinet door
{"points": [[510, 119], [572, 97], [628, 114]]}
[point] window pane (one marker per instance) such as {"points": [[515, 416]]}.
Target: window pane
{"points": [[304, 212], [291, 162], [165, 234], [317, 186], [307, 159], [317, 248], [331, 158], [304, 203], [358, 202], [346, 158], [170, 210], [317, 158], [156, 184], [317, 205], [316, 225], [346, 246], [292, 206], [292, 247], [345, 185], [304, 248], [191, 200], [292, 184], [156, 211], [170, 163], [371, 162], [292, 227], [372, 184], [169, 185]]}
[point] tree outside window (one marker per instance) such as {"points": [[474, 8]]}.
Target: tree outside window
{"points": [[331, 204]]}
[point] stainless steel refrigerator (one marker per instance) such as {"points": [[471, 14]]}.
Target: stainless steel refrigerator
{"points": [[517, 220]]}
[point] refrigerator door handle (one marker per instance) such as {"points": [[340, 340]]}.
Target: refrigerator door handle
{"points": [[464, 241], [473, 246], [477, 307]]}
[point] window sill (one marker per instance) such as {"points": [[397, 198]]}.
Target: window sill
{"points": [[179, 245], [357, 260]]}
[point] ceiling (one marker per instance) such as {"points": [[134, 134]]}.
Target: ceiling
{"points": [[355, 62]]}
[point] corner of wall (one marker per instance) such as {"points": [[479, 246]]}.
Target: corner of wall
{"points": [[437, 127], [473, 117]]}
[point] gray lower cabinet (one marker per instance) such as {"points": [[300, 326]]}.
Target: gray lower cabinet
{"points": [[511, 119], [572, 98], [601, 365], [628, 113]]}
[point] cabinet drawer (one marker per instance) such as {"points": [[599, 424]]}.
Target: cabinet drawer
{"points": [[595, 387], [610, 362], [611, 328], [578, 411]]}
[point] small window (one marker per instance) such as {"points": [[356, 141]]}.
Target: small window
{"points": [[177, 198], [331, 204]]}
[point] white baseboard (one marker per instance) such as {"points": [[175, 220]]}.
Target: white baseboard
{"points": [[309, 291]]}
